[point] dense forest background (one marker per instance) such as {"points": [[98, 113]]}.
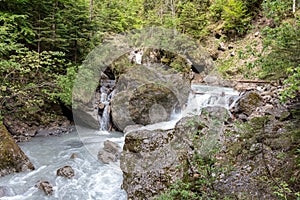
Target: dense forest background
{"points": [[43, 43]]}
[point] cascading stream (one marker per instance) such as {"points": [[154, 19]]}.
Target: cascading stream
{"points": [[93, 180], [106, 94]]}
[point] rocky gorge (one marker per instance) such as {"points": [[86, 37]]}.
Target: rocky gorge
{"points": [[231, 146]]}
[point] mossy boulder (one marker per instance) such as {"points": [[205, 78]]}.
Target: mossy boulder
{"points": [[152, 160], [148, 94], [12, 158], [264, 154], [248, 103]]}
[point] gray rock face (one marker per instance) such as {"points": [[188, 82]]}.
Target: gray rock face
{"points": [[66, 171], [46, 187], [152, 160], [248, 103], [149, 163], [111, 147], [106, 157], [12, 158], [86, 116], [146, 95], [110, 152]]}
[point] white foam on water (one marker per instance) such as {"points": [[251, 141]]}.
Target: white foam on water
{"points": [[200, 97], [92, 180]]}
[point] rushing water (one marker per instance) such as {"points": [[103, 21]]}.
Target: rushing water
{"points": [[93, 180]]}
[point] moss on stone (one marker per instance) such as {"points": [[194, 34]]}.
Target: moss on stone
{"points": [[12, 158]]}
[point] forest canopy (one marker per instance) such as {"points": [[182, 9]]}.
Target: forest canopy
{"points": [[42, 43]]}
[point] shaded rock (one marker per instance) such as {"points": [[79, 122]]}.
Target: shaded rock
{"points": [[151, 103], [55, 131], [147, 94], [23, 130], [46, 187], [248, 103], [150, 163], [107, 157], [265, 146], [86, 116], [12, 158], [278, 112], [153, 159], [66, 171], [131, 128], [111, 147], [211, 80], [109, 153]]}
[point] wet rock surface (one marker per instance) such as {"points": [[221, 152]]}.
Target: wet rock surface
{"points": [[12, 158], [152, 160], [109, 153], [23, 130], [256, 150], [144, 90], [260, 146], [46, 187], [66, 171]]}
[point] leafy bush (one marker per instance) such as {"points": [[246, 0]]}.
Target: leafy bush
{"points": [[193, 19], [65, 84], [293, 84], [282, 49], [277, 9], [234, 15]]}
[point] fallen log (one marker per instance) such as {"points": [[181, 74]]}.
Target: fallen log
{"points": [[253, 81]]}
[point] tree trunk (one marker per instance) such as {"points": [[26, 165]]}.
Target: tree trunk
{"points": [[294, 6], [91, 10]]}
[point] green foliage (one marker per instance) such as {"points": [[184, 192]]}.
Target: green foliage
{"points": [[283, 191], [193, 19], [65, 84], [277, 9], [235, 16], [201, 186], [292, 83], [29, 81], [281, 45]]}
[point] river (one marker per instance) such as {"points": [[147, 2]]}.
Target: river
{"points": [[93, 180]]}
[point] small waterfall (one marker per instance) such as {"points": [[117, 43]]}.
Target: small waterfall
{"points": [[93, 180], [200, 96], [204, 96], [107, 93]]}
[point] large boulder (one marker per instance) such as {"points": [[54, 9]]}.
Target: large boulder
{"points": [[154, 159], [148, 94], [248, 103], [109, 153], [12, 158], [86, 116], [149, 162]]}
